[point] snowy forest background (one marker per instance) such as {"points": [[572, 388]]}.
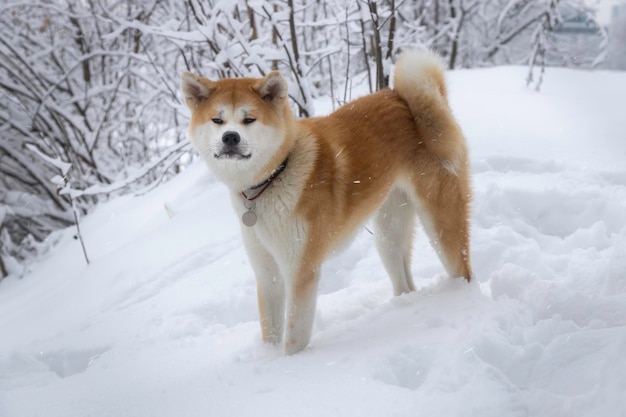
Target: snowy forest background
{"points": [[90, 105]]}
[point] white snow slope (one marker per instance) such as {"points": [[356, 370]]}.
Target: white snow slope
{"points": [[164, 323]]}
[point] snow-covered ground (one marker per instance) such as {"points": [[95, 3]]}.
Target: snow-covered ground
{"points": [[164, 323]]}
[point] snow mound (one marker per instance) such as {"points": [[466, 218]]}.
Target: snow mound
{"points": [[164, 322]]}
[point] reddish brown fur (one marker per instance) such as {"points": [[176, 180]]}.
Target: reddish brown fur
{"points": [[375, 141]]}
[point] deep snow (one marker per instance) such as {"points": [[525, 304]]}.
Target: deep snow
{"points": [[164, 322]]}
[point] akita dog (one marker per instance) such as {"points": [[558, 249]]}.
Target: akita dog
{"points": [[303, 187]]}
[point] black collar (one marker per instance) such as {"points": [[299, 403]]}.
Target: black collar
{"points": [[272, 176]]}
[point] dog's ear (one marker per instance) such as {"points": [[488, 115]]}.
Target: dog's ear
{"points": [[195, 89], [273, 87]]}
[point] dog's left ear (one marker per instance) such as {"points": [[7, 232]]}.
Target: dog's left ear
{"points": [[195, 89], [272, 87]]}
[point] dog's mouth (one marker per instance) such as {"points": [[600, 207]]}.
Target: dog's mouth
{"points": [[231, 154]]}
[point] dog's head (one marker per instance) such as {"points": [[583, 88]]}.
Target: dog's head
{"points": [[242, 127]]}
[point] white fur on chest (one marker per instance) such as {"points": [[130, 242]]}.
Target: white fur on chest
{"points": [[278, 229]]}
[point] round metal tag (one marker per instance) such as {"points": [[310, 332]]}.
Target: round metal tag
{"points": [[249, 218]]}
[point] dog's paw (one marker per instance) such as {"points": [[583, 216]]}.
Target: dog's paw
{"points": [[294, 345]]}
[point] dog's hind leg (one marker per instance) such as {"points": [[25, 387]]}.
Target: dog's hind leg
{"points": [[394, 225], [270, 289], [443, 208]]}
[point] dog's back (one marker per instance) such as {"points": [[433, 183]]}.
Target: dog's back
{"points": [[403, 139]]}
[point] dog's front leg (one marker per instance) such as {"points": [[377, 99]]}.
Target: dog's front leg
{"points": [[270, 289], [271, 299], [302, 294]]}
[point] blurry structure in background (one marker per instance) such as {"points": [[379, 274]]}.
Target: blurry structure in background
{"points": [[577, 39]]}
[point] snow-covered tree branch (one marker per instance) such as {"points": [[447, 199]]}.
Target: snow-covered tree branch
{"points": [[93, 84]]}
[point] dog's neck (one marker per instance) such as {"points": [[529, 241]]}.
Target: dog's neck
{"points": [[249, 218], [255, 191]]}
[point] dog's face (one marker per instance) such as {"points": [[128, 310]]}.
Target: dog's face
{"points": [[241, 127]]}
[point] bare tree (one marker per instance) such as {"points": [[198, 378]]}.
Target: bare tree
{"points": [[70, 84]]}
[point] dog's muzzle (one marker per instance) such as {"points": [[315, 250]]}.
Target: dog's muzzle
{"points": [[230, 147]]}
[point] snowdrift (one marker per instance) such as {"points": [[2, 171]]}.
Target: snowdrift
{"points": [[164, 323]]}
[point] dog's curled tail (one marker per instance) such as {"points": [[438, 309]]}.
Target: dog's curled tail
{"points": [[419, 79]]}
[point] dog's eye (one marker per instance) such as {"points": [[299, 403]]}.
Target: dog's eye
{"points": [[217, 121], [248, 120]]}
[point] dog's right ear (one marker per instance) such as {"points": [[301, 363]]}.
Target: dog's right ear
{"points": [[195, 89], [272, 88]]}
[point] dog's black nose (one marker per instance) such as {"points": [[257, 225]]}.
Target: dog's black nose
{"points": [[231, 138]]}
